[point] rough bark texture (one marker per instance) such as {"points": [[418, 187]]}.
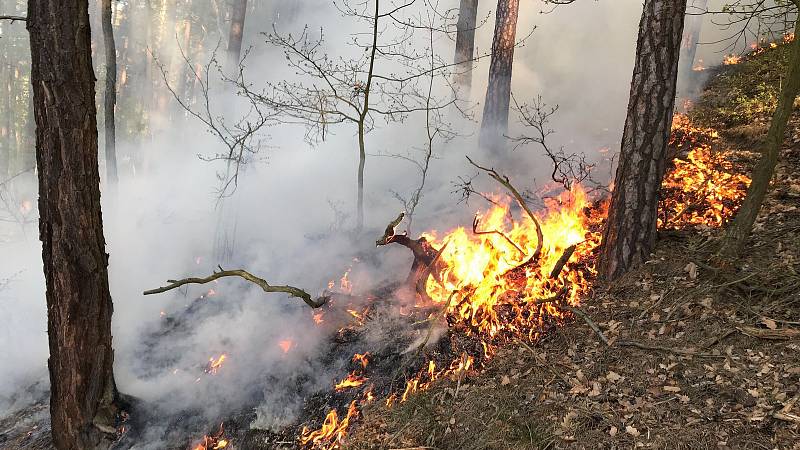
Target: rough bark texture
{"points": [[498, 91], [465, 43], [110, 94], [235, 37], [739, 230], [630, 230], [6, 143], [691, 36], [83, 393]]}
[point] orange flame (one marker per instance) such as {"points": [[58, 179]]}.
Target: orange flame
{"points": [[351, 381], [332, 434], [286, 345], [213, 442], [214, 364]]}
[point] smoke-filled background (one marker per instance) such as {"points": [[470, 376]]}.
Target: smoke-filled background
{"points": [[290, 217]]}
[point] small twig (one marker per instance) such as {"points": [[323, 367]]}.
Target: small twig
{"points": [[503, 180], [589, 321], [659, 348], [476, 222], [263, 284], [14, 18]]}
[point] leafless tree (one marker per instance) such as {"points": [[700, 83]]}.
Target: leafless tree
{"points": [[386, 81]]}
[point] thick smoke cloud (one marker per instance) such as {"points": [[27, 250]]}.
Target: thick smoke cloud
{"points": [[292, 212]]}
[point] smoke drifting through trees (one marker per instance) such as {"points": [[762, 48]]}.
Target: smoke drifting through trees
{"points": [[287, 224]]}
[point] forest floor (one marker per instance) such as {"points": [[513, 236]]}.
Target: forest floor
{"points": [[720, 362]]}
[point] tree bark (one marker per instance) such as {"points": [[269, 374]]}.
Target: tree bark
{"points": [[465, 43], [6, 142], [739, 230], [691, 36], [498, 91], [630, 231], [110, 94], [83, 395], [235, 37]]}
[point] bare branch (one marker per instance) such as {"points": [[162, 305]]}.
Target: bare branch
{"points": [[505, 182], [260, 282]]}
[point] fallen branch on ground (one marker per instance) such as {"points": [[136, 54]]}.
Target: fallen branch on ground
{"points": [[263, 284], [503, 180]]}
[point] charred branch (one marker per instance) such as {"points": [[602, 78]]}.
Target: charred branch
{"points": [[506, 183], [562, 261], [260, 282], [476, 222]]}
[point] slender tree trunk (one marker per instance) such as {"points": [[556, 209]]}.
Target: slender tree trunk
{"points": [[465, 43], [83, 395], [6, 146], [630, 231], [498, 91], [110, 95], [738, 232], [235, 37], [691, 37]]}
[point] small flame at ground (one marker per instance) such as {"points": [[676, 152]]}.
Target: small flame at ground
{"points": [[214, 364], [213, 442], [286, 345]]}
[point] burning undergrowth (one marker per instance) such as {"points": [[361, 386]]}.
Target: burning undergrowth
{"points": [[469, 292]]}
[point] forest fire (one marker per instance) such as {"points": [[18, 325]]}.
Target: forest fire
{"points": [[496, 282], [213, 442], [214, 364], [351, 381], [703, 188]]}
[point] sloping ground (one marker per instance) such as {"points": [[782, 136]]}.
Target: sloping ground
{"points": [[716, 356]]}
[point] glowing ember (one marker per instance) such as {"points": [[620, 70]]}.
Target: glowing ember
{"points": [[213, 442], [286, 345], [214, 364], [731, 60], [362, 359]]}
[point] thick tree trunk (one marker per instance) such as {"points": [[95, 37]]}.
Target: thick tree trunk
{"points": [[498, 91], [235, 37], [110, 94], [83, 393], [739, 230], [630, 231], [465, 43], [691, 36]]}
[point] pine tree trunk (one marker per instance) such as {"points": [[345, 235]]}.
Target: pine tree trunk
{"points": [[6, 142], [738, 232], [691, 36], [110, 94], [465, 43], [83, 394], [235, 37], [498, 91], [630, 231]]}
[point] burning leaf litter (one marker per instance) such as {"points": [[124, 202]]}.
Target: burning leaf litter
{"points": [[493, 287]]}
